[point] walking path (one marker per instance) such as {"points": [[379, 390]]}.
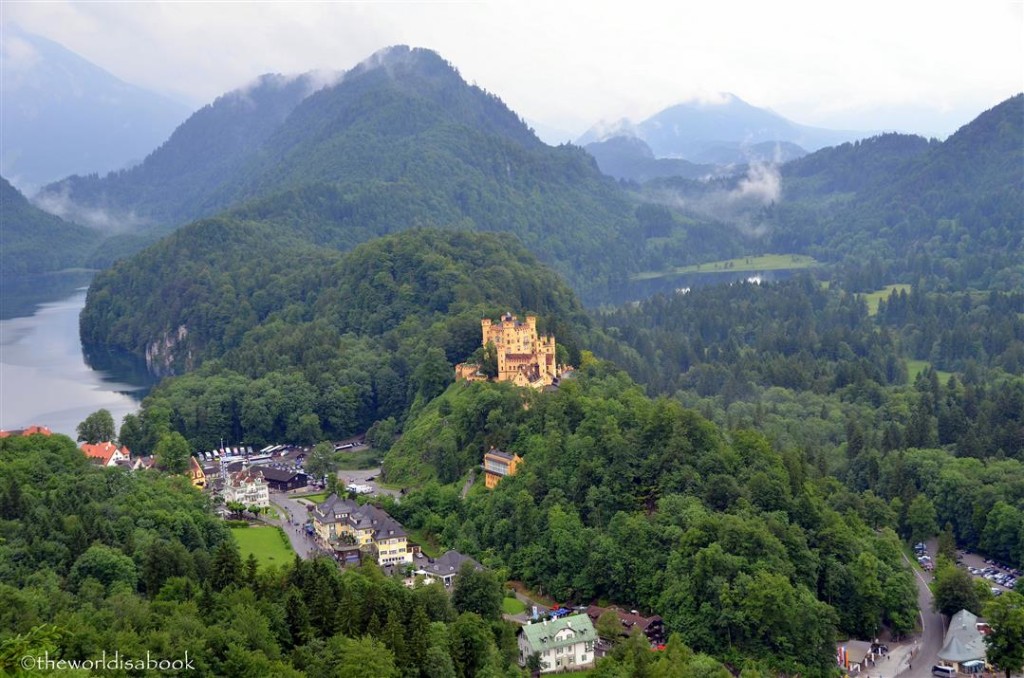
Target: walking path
{"points": [[293, 523], [469, 484]]}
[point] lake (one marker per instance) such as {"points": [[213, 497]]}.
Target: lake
{"points": [[45, 378], [638, 290]]}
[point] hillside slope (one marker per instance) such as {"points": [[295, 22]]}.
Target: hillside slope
{"points": [[401, 140], [34, 242], [64, 115]]}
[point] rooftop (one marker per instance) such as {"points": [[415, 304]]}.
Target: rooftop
{"points": [[542, 636], [449, 563], [964, 641], [495, 452], [280, 475]]}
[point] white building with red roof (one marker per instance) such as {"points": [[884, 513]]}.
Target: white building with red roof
{"points": [[105, 454], [247, 486]]}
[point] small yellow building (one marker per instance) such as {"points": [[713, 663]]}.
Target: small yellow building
{"points": [[498, 464], [196, 475]]}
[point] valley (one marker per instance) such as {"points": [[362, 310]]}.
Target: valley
{"points": [[742, 387]]}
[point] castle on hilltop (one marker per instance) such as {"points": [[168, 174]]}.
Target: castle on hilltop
{"points": [[523, 357]]}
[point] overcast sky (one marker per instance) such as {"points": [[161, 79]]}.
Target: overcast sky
{"points": [[919, 66]]}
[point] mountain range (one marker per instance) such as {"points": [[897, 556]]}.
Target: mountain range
{"points": [[401, 140], [64, 115], [721, 130]]}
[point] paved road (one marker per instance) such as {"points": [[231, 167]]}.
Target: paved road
{"points": [[294, 518], [362, 478], [932, 631]]}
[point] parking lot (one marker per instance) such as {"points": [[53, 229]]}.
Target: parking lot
{"points": [[998, 577], [989, 571]]}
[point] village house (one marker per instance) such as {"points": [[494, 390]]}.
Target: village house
{"points": [[27, 431], [523, 357], [246, 486], [963, 648], [498, 464], [444, 568], [106, 454], [284, 479], [565, 644], [652, 627], [343, 522]]}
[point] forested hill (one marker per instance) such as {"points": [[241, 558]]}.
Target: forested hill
{"points": [[293, 343], [949, 212], [34, 242], [401, 140], [175, 182]]}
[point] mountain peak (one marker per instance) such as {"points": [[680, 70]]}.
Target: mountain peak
{"points": [[400, 61]]}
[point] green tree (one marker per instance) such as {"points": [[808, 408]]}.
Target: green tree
{"points": [[947, 543], [489, 361], [921, 520], [954, 590], [364, 657], [471, 643], [98, 427], [131, 434], [172, 453], [1005, 645], [381, 436], [236, 508], [477, 591], [534, 663], [226, 568], [106, 565], [609, 627], [322, 460], [305, 429]]}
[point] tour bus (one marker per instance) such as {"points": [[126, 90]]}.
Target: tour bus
{"points": [[944, 671]]}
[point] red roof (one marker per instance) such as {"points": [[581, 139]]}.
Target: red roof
{"points": [[30, 430], [102, 452]]}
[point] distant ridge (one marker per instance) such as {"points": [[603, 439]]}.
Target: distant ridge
{"points": [[179, 179], [64, 115], [717, 131]]}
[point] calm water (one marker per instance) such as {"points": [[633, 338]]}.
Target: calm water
{"points": [[44, 377], [644, 289]]}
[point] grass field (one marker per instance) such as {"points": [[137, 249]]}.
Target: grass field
{"points": [[512, 606], [429, 546], [765, 262], [916, 367], [318, 498], [874, 297], [268, 544], [356, 461]]}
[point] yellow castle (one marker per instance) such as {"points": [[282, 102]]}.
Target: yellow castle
{"points": [[524, 358]]}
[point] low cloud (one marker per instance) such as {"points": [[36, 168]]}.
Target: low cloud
{"points": [[59, 203], [740, 206]]}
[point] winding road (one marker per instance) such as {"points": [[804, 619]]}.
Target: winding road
{"points": [[932, 630]]}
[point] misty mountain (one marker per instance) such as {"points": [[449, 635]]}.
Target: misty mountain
{"points": [[179, 180], [629, 157], [720, 130], [626, 157], [399, 141], [33, 242], [948, 210], [64, 115]]}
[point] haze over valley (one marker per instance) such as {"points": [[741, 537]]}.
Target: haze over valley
{"points": [[343, 368]]}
